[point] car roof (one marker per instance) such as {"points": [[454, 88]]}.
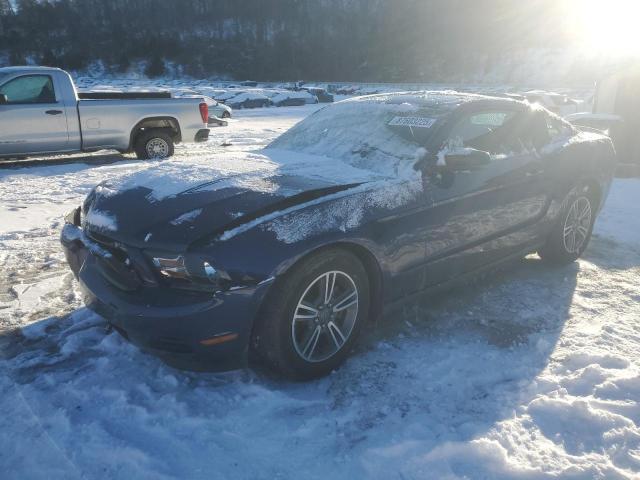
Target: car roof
{"points": [[28, 68]]}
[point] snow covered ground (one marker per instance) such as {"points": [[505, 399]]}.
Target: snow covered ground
{"points": [[532, 373]]}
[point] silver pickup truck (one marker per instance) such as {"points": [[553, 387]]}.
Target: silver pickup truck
{"points": [[41, 113]]}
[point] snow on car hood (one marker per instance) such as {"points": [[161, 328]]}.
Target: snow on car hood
{"points": [[177, 202], [249, 170]]}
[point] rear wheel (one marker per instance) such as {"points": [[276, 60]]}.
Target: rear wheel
{"points": [[571, 234], [313, 316], [154, 144]]}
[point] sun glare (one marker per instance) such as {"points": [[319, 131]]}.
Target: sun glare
{"points": [[610, 27]]}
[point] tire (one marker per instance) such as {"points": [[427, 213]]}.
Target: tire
{"points": [[154, 144], [226, 114], [570, 235], [306, 342]]}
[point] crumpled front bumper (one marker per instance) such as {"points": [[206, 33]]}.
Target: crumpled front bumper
{"points": [[193, 330]]}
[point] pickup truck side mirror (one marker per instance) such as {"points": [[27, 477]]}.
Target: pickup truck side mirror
{"points": [[3, 99]]}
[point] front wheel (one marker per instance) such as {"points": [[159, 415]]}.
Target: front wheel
{"points": [[313, 316], [571, 234], [226, 114], [154, 144]]}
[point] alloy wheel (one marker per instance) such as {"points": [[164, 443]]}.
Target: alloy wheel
{"points": [[577, 225], [325, 316]]}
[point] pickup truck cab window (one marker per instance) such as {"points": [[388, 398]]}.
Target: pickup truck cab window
{"points": [[29, 89]]}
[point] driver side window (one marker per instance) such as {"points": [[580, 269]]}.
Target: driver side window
{"points": [[489, 131], [497, 132], [29, 89]]}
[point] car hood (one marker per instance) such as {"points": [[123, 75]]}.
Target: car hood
{"points": [[172, 205]]}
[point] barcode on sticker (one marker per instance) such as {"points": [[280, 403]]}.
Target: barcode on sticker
{"points": [[419, 122]]}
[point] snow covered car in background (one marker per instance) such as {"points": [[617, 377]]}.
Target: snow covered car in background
{"points": [[288, 98], [346, 89], [554, 102], [285, 255], [320, 93], [223, 95], [248, 99], [216, 109]]}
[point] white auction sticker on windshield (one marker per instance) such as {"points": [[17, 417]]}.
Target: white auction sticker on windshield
{"points": [[419, 122]]}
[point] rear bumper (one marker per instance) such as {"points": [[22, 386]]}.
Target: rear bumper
{"points": [[197, 331], [202, 135], [217, 122]]}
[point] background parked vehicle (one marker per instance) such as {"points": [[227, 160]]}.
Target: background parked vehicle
{"points": [[225, 95], [554, 102], [216, 109], [41, 113], [616, 109], [293, 98], [249, 100], [320, 93], [346, 89]]}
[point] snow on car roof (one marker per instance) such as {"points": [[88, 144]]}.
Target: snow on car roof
{"points": [[428, 98]]}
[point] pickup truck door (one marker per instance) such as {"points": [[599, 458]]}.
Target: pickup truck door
{"points": [[34, 119]]}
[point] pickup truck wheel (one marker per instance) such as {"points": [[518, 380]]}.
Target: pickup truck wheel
{"points": [[154, 144]]}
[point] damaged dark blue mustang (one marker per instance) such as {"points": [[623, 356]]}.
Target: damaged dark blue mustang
{"points": [[286, 254]]}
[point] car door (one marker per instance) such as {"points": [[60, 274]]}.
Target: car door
{"points": [[488, 190], [33, 120]]}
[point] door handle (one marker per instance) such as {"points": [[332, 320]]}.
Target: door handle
{"points": [[53, 112]]}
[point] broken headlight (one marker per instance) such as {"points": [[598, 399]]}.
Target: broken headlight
{"points": [[190, 272]]}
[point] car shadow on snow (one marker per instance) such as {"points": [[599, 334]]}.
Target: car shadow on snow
{"points": [[608, 253], [81, 158], [445, 369], [465, 357]]}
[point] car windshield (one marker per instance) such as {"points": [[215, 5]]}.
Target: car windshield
{"points": [[367, 130]]}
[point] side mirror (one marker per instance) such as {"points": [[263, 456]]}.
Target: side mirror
{"points": [[3, 99], [465, 159]]}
